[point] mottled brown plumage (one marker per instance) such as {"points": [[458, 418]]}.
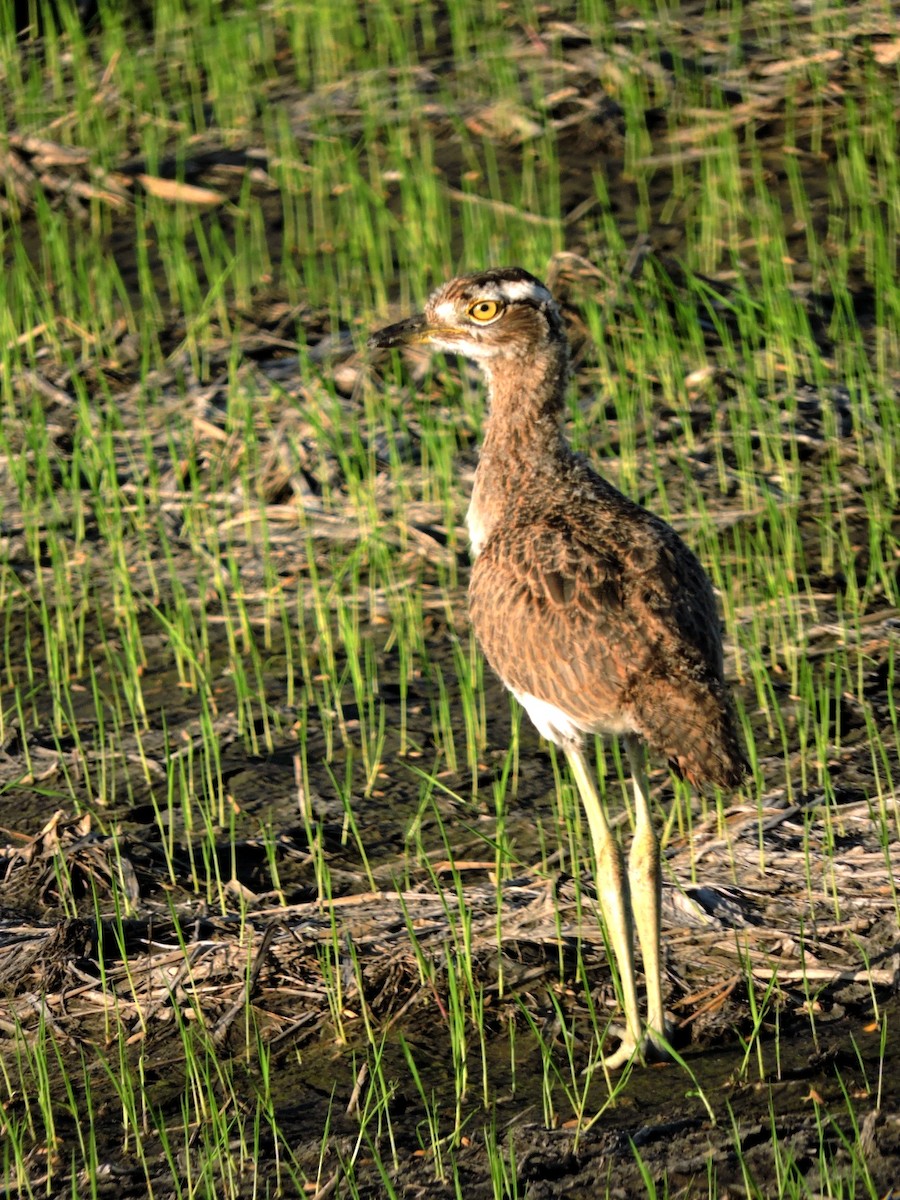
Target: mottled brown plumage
{"points": [[592, 610], [614, 620]]}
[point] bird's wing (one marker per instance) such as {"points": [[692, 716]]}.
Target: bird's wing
{"points": [[557, 617], [613, 632]]}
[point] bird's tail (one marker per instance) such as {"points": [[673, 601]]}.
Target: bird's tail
{"points": [[694, 724]]}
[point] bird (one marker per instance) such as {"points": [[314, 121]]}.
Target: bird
{"points": [[591, 609]]}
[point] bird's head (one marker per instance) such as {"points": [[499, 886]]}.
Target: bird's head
{"points": [[500, 314]]}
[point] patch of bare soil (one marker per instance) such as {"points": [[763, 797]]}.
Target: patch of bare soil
{"points": [[73, 978], [820, 921]]}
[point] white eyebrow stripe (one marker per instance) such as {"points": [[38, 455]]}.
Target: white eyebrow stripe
{"points": [[503, 291], [522, 289]]}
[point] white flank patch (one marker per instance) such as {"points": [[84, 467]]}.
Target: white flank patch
{"points": [[551, 722], [557, 726]]}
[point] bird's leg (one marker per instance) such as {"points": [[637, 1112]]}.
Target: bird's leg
{"points": [[615, 904], [645, 880]]}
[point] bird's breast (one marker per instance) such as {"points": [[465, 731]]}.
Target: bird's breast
{"points": [[479, 521]]}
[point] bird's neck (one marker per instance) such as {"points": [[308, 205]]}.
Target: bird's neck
{"points": [[523, 438], [526, 399]]}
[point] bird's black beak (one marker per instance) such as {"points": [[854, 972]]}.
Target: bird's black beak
{"points": [[405, 333]]}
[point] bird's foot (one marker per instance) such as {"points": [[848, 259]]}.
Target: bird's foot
{"points": [[626, 1051], [650, 1047]]}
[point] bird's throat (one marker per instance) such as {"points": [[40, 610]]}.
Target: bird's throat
{"points": [[521, 453]]}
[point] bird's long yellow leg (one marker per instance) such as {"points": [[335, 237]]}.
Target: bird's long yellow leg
{"points": [[615, 904], [645, 880]]}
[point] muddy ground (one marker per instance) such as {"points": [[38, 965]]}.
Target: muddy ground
{"points": [[836, 962]]}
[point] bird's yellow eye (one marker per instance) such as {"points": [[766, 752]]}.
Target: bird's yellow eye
{"points": [[485, 310]]}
